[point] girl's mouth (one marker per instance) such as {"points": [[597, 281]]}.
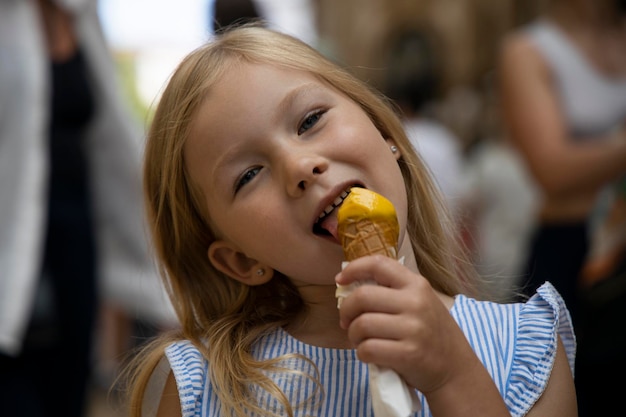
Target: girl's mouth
{"points": [[326, 224]]}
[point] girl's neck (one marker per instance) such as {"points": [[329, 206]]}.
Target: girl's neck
{"points": [[318, 324]]}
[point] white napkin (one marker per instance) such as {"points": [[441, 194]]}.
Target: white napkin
{"points": [[391, 396]]}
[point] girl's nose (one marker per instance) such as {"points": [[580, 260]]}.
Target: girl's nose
{"points": [[302, 170]]}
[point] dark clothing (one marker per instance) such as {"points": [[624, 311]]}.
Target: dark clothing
{"points": [[557, 254], [51, 375], [602, 347]]}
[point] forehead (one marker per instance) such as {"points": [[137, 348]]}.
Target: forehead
{"points": [[248, 89]]}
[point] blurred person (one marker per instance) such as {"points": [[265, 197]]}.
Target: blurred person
{"points": [[563, 90], [413, 84], [500, 201], [71, 221], [295, 17], [224, 13]]}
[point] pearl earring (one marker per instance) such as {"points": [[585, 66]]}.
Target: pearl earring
{"points": [[393, 148], [260, 271]]}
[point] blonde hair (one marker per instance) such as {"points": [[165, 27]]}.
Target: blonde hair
{"points": [[219, 310]]}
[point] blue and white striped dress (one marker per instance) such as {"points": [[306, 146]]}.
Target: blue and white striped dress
{"points": [[516, 342]]}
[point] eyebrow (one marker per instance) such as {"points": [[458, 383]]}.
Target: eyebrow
{"points": [[288, 101]]}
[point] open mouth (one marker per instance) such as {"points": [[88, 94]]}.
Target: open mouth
{"points": [[325, 225]]}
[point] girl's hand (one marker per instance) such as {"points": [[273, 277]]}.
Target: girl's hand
{"points": [[403, 324]]}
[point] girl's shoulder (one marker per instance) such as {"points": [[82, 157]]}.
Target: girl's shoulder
{"points": [[517, 342], [540, 320], [190, 370]]}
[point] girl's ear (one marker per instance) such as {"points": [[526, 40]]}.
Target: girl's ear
{"points": [[226, 258]]}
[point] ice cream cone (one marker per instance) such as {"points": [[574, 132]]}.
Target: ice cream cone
{"points": [[366, 237], [367, 225]]}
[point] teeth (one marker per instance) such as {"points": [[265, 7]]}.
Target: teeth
{"points": [[335, 203]]}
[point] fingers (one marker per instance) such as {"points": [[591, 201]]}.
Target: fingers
{"points": [[398, 290], [385, 271], [402, 323], [378, 326], [369, 298], [387, 353]]}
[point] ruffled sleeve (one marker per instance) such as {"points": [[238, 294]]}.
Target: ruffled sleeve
{"points": [[190, 371], [542, 319]]}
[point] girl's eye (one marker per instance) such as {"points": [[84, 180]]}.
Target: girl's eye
{"points": [[247, 177], [310, 121]]}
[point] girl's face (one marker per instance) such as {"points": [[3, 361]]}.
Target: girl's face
{"points": [[273, 150]]}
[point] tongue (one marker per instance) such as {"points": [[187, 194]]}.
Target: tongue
{"points": [[330, 224]]}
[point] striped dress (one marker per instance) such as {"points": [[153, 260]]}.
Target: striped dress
{"points": [[516, 343]]}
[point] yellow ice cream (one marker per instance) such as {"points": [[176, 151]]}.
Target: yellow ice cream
{"points": [[368, 225]]}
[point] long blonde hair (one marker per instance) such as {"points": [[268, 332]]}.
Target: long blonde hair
{"points": [[216, 309]]}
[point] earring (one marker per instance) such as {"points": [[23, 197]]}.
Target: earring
{"points": [[393, 148], [260, 271]]}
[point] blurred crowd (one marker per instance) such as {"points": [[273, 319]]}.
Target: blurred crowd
{"points": [[517, 107]]}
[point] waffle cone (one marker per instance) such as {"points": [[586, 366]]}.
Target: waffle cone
{"points": [[366, 237]]}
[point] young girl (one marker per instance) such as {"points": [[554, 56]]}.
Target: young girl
{"points": [[255, 142]]}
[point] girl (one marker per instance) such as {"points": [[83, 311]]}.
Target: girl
{"points": [[255, 142]]}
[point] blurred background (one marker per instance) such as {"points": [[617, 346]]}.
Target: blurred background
{"points": [[452, 44], [148, 38]]}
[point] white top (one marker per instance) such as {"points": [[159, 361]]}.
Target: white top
{"points": [[593, 103], [505, 199], [441, 151]]}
